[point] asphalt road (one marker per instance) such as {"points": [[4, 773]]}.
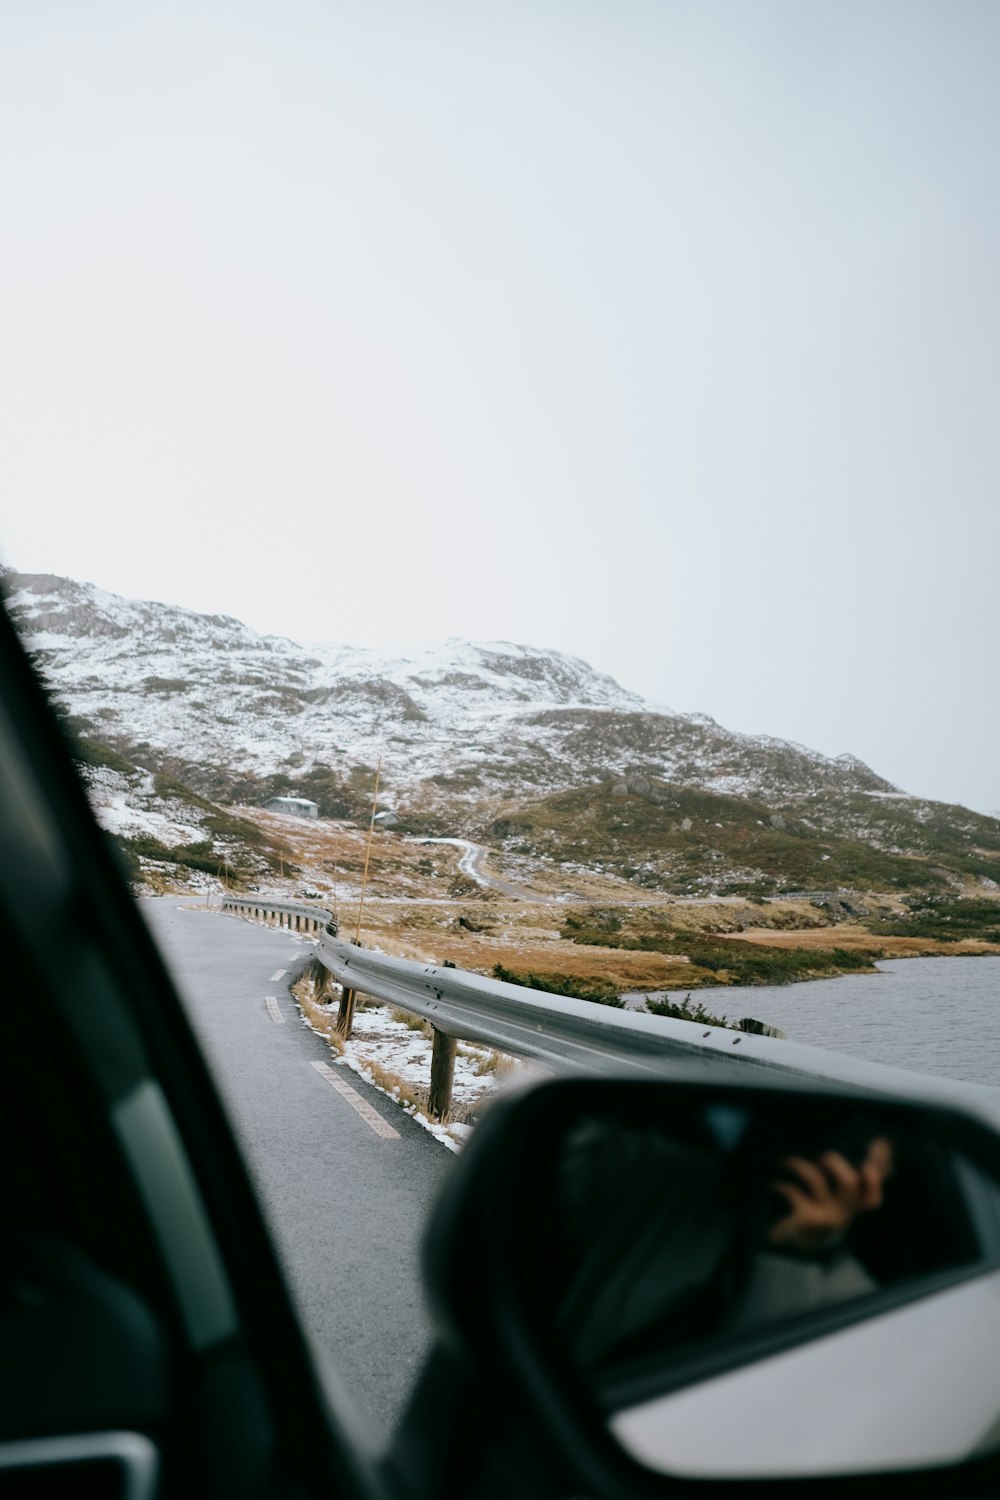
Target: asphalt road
{"points": [[346, 1180]]}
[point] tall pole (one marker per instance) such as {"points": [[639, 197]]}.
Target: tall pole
{"points": [[336, 884], [368, 851]]}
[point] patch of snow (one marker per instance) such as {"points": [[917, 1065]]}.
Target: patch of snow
{"points": [[381, 1045], [131, 807]]}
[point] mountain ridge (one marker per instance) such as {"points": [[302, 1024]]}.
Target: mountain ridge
{"points": [[497, 716], [531, 752]]}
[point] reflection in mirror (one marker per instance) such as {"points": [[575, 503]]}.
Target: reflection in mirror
{"points": [[735, 1242]]}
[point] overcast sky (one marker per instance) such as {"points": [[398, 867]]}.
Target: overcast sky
{"points": [[665, 334]]}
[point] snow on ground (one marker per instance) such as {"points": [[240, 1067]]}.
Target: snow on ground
{"points": [[402, 1050], [118, 803], [395, 1057]]}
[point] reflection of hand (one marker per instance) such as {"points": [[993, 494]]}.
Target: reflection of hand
{"points": [[825, 1196]]}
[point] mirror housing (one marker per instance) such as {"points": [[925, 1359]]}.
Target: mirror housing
{"points": [[726, 1401]]}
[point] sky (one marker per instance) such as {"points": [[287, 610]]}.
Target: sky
{"points": [[664, 334]]}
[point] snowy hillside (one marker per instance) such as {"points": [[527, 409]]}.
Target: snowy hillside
{"points": [[486, 718]]}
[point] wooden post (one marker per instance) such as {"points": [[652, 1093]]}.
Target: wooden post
{"points": [[442, 1074], [345, 1016], [368, 851]]}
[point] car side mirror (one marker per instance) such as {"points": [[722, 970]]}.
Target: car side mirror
{"points": [[728, 1282]]}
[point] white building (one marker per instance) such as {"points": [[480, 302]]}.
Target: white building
{"points": [[297, 807]]}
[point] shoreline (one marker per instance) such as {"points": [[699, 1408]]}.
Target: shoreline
{"points": [[873, 971]]}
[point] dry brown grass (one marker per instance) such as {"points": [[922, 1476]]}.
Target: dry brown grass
{"points": [[552, 955], [854, 937], [322, 1018], [413, 1023], [409, 1095], [497, 1063]]}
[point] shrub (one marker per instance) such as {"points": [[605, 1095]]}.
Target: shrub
{"points": [[687, 1010], [599, 991]]}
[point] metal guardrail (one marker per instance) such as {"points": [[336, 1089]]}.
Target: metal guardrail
{"points": [[579, 1034], [288, 914], [563, 1033]]}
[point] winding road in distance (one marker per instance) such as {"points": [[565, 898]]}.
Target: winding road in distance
{"points": [[471, 864], [346, 1178]]}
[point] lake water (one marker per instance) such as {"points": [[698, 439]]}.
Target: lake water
{"points": [[934, 1015]]}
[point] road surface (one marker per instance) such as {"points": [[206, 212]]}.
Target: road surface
{"points": [[346, 1179], [471, 865]]}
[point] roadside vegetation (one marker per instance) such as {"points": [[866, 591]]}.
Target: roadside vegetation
{"points": [[726, 960], [729, 960], [598, 990], [945, 920], [685, 1010], [714, 957]]}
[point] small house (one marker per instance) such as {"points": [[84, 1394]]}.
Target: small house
{"points": [[296, 807]]}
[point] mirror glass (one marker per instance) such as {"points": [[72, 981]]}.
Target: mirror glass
{"points": [[791, 1287]]}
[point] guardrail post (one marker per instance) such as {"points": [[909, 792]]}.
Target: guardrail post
{"points": [[442, 1074], [345, 1015]]}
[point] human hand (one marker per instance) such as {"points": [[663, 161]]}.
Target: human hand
{"points": [[826, 1195]]}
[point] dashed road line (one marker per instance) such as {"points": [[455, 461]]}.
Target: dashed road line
{"points": [[371, 1117], [279, 974], [272, 1009]]}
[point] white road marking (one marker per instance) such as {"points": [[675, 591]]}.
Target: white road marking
{"points": [[371, 1117], [279, 974], [272, 1009]]}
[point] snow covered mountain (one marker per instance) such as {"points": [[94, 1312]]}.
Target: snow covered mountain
{"points": [[482, 719], [182, 719]]}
